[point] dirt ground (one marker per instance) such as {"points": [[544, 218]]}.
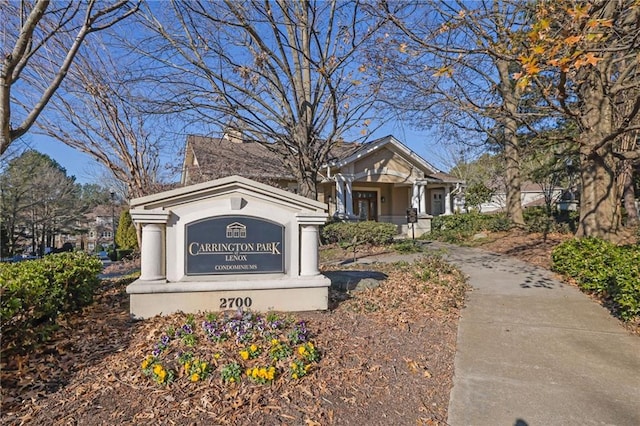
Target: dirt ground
{"points": [[534, 248], [386, 358]]}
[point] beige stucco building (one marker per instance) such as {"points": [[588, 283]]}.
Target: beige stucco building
{"points": [[377, 180]]}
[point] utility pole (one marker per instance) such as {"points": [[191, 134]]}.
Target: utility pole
{"points": [[113, 221]]}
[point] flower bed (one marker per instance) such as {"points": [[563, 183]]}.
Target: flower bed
{"points": [[232, 348]]}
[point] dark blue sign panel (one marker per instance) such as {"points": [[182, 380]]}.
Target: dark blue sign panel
{"points": [[234, 245]]}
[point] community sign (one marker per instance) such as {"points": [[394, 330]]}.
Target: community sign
{"points": [[234, 245]]}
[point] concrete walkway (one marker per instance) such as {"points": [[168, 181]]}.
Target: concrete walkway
{"points": [[534, 351]]}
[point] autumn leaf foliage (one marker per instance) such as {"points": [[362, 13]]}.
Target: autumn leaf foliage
{"points": [[565, 35]]}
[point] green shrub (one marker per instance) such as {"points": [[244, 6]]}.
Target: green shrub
{"points": [[459, 227], [407, 246], [35, 292], [123, 254], [498, 222], [602, 267], [366, 232], [537, 219]]}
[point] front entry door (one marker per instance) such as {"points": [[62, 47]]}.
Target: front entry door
{"points": [[436, 203], [365, 205]]}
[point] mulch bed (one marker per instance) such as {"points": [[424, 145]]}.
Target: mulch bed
{"points": [[387, 358]]}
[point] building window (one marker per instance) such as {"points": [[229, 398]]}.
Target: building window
{"points": [[92, 234], [106, 234]]}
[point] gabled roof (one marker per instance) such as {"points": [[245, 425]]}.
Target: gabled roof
{"points": [[209, 158], [395, 145]]}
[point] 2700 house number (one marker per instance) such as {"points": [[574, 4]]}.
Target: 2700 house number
{"points": [[235, 302]]}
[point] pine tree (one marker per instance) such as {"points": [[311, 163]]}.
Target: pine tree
{"points": [[126, 232]]}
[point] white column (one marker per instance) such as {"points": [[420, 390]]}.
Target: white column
{"points": [[348, 198], [309, 242], [415, 197], [152, 252], [152, 249], [447, 200], [309, 250], [339, 196], [422, 192]]}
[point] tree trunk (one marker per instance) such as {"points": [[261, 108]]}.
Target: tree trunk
{"points": [[512, 157], [600, 197], [599, 201], [629, 196], [511, 144]]}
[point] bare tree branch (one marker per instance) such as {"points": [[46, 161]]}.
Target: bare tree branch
{"points": [[47, 42]]}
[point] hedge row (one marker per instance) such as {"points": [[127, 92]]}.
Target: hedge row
{"points": [[604, 268], [459, 227], [358, 233], [35, 292]]}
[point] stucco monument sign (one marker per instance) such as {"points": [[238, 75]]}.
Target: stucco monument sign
{"points": [[227, 244]]}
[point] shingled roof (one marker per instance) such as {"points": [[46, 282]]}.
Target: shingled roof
{"points": [[210, 158], [219, 157]]}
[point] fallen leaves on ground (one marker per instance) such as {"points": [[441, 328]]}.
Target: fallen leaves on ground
{"points": [[387, 358]]}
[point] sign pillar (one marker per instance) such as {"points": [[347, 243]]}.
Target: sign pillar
{"points": [[309, 234], [152, 258]]}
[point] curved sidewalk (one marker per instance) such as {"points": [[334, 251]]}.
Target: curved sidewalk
{"points": [[533, 350]]}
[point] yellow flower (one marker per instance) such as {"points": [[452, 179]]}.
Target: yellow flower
{"points": [[157, 369], [187, 366], [274, 342], [195, 377], [310, 345], [232, 380], [293, 365], [248, 372], [145, 364], [203, 366], [244, 355], [216, 355], [302, 350], [253, 348], [294, 375]]}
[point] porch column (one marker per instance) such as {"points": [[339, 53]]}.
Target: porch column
{"points": [[152, 249], [423, 201], [447, 200], [348, 189], [309, 242], [415, 197], [339, 196]]}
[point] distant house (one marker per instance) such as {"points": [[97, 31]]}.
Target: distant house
{"points": [[532, 194], [378, 180], [94, 232]]}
